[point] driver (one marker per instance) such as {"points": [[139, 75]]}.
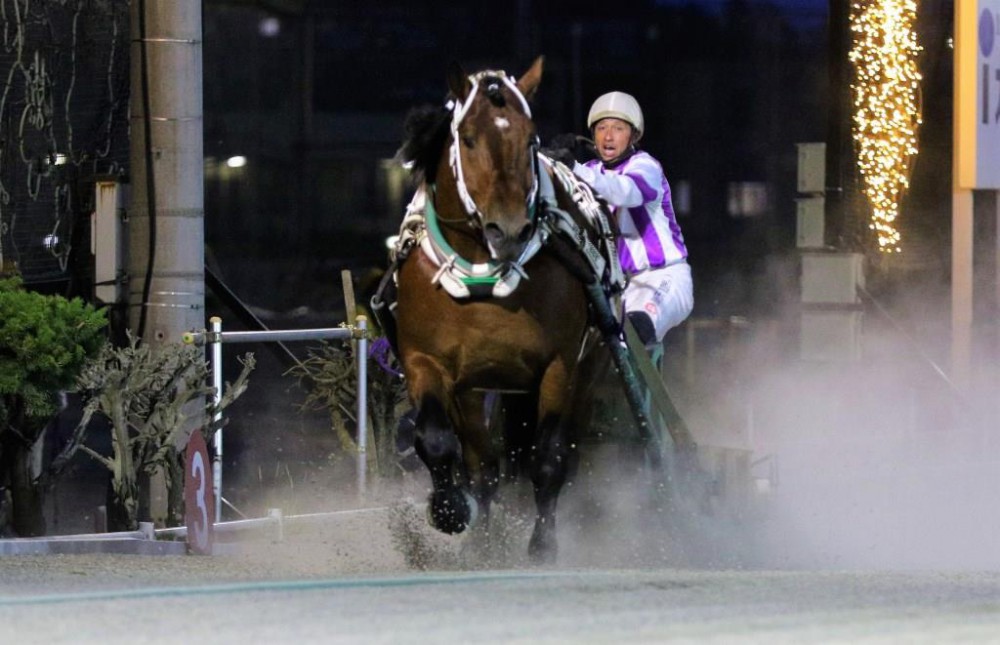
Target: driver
{"points": [[659, 295]]}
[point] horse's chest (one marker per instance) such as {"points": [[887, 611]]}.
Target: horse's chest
{"points": [[481, 342], [498, 334]]}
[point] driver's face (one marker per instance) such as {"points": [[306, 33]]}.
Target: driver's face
{"points": [[612, 137]]}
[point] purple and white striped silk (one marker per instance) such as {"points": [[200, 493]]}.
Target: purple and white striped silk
{"points": [[640, 194]]}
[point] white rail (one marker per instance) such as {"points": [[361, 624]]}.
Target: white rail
{"points": [[215, 337], [275, 519], [170, 541]]}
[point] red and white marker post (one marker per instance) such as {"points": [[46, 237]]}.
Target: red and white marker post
{"points": [[199, 501]]}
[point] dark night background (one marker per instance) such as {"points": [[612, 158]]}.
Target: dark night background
{"points": [[314, 95]]}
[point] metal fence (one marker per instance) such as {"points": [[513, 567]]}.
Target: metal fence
{"points": [[63, 122], [214, 339]]}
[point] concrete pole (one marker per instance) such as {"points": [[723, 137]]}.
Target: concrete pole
{"points": [[964, 179], [166, 265], [169, 299], [576, 75], [961, 287]]}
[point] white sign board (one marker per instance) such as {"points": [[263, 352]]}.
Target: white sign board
{"points": [[977, 94], [988, 95]]}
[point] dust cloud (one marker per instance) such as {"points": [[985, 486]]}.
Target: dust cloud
{"points": [[872, 463], [877, 461]]}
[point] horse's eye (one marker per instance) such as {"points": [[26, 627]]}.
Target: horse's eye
{"points": [[468, 141]]}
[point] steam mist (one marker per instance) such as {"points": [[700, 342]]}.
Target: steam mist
{"points": [[877, 463], [858, 464], [875, 473]]}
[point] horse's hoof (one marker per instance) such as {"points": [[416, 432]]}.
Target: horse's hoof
{"points": [[542, 548], [452, 511]]}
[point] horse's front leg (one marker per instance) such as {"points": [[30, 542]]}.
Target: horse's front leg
{"points": [[551, 460], [450, 508]]}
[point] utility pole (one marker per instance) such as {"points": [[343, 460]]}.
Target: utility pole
{"points": [[166, 267], [841, 223], [167, 209], [576, 63]]}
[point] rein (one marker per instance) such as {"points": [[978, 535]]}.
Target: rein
{"points": [[463, 279]]}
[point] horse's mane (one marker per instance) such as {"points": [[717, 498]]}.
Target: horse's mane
{"points": [[425, 128]]}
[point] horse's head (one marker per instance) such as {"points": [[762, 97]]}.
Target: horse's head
{"points": [[492, 155]]}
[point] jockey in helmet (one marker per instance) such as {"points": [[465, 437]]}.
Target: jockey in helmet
{"points": [[651, 248]]}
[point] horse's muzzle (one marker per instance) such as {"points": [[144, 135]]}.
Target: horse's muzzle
{"points": [[507, 241]]}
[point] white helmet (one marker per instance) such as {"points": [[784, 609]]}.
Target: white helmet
{"points": [[617, 105]]}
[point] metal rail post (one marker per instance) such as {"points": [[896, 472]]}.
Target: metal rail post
{"points": [[216, 351], [362, 323]]}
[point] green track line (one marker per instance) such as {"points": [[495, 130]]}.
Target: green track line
{"points": [[276, 585]]}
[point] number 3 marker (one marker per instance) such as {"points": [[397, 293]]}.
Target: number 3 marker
{"points": [[199, 507]]}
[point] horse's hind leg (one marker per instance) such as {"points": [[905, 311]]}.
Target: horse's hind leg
{"points": [[520, 413], [479, 456], [451, 509]]}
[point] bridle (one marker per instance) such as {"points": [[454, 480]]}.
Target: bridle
{"points": [[458, 112], [461, 278]]}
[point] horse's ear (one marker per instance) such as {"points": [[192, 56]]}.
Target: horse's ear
{"points": [[528, 83], [458, 81]]}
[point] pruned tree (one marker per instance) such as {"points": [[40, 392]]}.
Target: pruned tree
{"points": [[154, 396], [329, 375]]}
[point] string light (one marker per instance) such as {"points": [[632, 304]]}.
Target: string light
{"points": [[886, 92]]}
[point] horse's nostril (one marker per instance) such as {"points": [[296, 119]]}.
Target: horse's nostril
{"points": [[493, 233], [500, 237]]}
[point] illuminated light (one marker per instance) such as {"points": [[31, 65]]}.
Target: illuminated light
{"points": [[50, 241], [391, 241], [237, 161], [59, 159], [269, 27], [886, 93]]}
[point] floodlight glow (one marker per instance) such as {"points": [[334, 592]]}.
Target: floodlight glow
{"points": [[269, 27], [237, 161]]}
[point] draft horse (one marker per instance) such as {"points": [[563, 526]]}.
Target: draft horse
{"points": [[520, 316]]}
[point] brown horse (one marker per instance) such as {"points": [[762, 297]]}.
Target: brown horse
{"points": [[478, 160]]}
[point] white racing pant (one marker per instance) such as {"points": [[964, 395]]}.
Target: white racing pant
{"points": [[665, 294]]}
